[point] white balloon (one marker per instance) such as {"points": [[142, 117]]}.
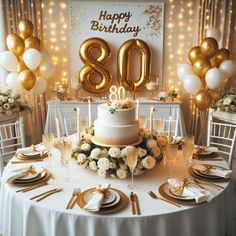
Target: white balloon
{"points": [[46, 69], [192, 83], [8, 61], [184, 70], [228, 67], [32, 58], [13, 82], [214, 78], [40, 86], [45, 55], [213, 32]]}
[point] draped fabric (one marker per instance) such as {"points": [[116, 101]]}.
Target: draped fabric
{"points": [[217, 13], [13, 12]]}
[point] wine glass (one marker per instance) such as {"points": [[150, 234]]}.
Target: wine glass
{"points": [[142, 121], [187, 149], [66, 150], [171, 151], [158, 125], [132, 159], [48, 140]]}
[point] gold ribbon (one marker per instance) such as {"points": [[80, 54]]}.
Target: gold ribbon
{"points": [[201, 149], [105, 192], [31, 170]]}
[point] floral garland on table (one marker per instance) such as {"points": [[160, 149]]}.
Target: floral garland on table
{"points": [[113, 161], [227, 103], [10, 103]]}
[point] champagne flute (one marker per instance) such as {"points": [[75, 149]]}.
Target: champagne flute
{"points": [[142, 121], [83, 122], [171, 151], [48, 140], [187, 149], [158, 125], [132, 159]]}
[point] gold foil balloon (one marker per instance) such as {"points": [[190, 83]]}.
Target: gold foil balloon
{"points": [[124, 58], [15, 44], [202, 100], [201, 66], [209, 46], [94, 77], [27, 79], [221, 55], [32, 42], [26, 28], [21, 66], [194, 54]]}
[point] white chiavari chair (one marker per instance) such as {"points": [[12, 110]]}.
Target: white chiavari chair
{"points": [[223, 136], [70, 124], [12, 136]]}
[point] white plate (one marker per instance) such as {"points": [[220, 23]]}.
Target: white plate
{"points": [[205, 153], [40, 172]]}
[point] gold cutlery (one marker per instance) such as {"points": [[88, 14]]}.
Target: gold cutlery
{"points": [[137, 204], [73, 199], [154, 196], [209, 184], [23, 190], [46, 194], [132, 203], [26, 161]]}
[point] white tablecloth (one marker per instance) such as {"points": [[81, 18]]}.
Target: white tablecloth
{"points": [[21, 216]]}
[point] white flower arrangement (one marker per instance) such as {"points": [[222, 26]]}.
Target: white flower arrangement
{"points": [[113, 161], [10, 103], [151, 85], [227, 103], [120, 104]]}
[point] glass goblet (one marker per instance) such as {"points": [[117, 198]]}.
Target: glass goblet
{"points": [[171, 151], [132, 159], [48, 140], [187, 149], [142, 121]]}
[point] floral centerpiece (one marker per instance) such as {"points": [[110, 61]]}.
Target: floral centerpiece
{"points": [[113, 161], [10, 103], [227, 103]]}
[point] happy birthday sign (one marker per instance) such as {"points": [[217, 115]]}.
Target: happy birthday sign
{"points": [[112, 23]]}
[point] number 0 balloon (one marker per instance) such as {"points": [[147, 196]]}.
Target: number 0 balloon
{"points": [[124, 55]]}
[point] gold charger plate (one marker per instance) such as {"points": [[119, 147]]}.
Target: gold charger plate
{"points": [[106, 210], [162, 191], [36, 178], [113, 145], [47, 176]]}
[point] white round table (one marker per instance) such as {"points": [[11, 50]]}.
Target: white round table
{"points": [[23, 217]]}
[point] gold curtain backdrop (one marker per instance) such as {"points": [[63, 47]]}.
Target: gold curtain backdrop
{"points": [[186, 22]]}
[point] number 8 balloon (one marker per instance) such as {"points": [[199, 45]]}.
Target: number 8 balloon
{"points": [[124, 55], [95, 64]]}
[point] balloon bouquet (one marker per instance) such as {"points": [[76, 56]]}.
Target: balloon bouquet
{"points": [[209, 67], [27, 64]]}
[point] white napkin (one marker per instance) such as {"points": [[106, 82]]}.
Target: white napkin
{"points": [[200, 195], [214, 171], [96, 201], [19, 174]]}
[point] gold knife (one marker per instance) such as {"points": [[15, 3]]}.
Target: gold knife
{"points": [[41, 194], [48, 194], [137, 204], [132, 203], [23, 190]]}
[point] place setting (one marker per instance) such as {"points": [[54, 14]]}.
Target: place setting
{"points": [[206, 153]]}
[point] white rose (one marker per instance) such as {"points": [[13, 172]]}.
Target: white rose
{"points": [[151, 143], [11, 100], [121, 173], [227, 101], [102, 173], [6, 106], [95, 153], [141, 152], [81, 158], [156, 152], [104, 153], [85, 147], [114, 152], [149, 162], [103, 163], [88, 137], [93, 165]]}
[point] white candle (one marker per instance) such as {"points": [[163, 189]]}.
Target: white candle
{"points": [[58, 128], [89, 113], [169, 130], [151, 120], [78, 123], [137, 109]]}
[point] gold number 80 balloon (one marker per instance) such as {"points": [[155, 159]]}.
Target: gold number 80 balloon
{"points": [[95, 64], [124, 55]]}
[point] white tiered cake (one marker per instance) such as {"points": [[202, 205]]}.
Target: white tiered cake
{"points": [[117, 127]]}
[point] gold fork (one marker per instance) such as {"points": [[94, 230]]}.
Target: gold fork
{"points": [[73, 198], [154, 196]]}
